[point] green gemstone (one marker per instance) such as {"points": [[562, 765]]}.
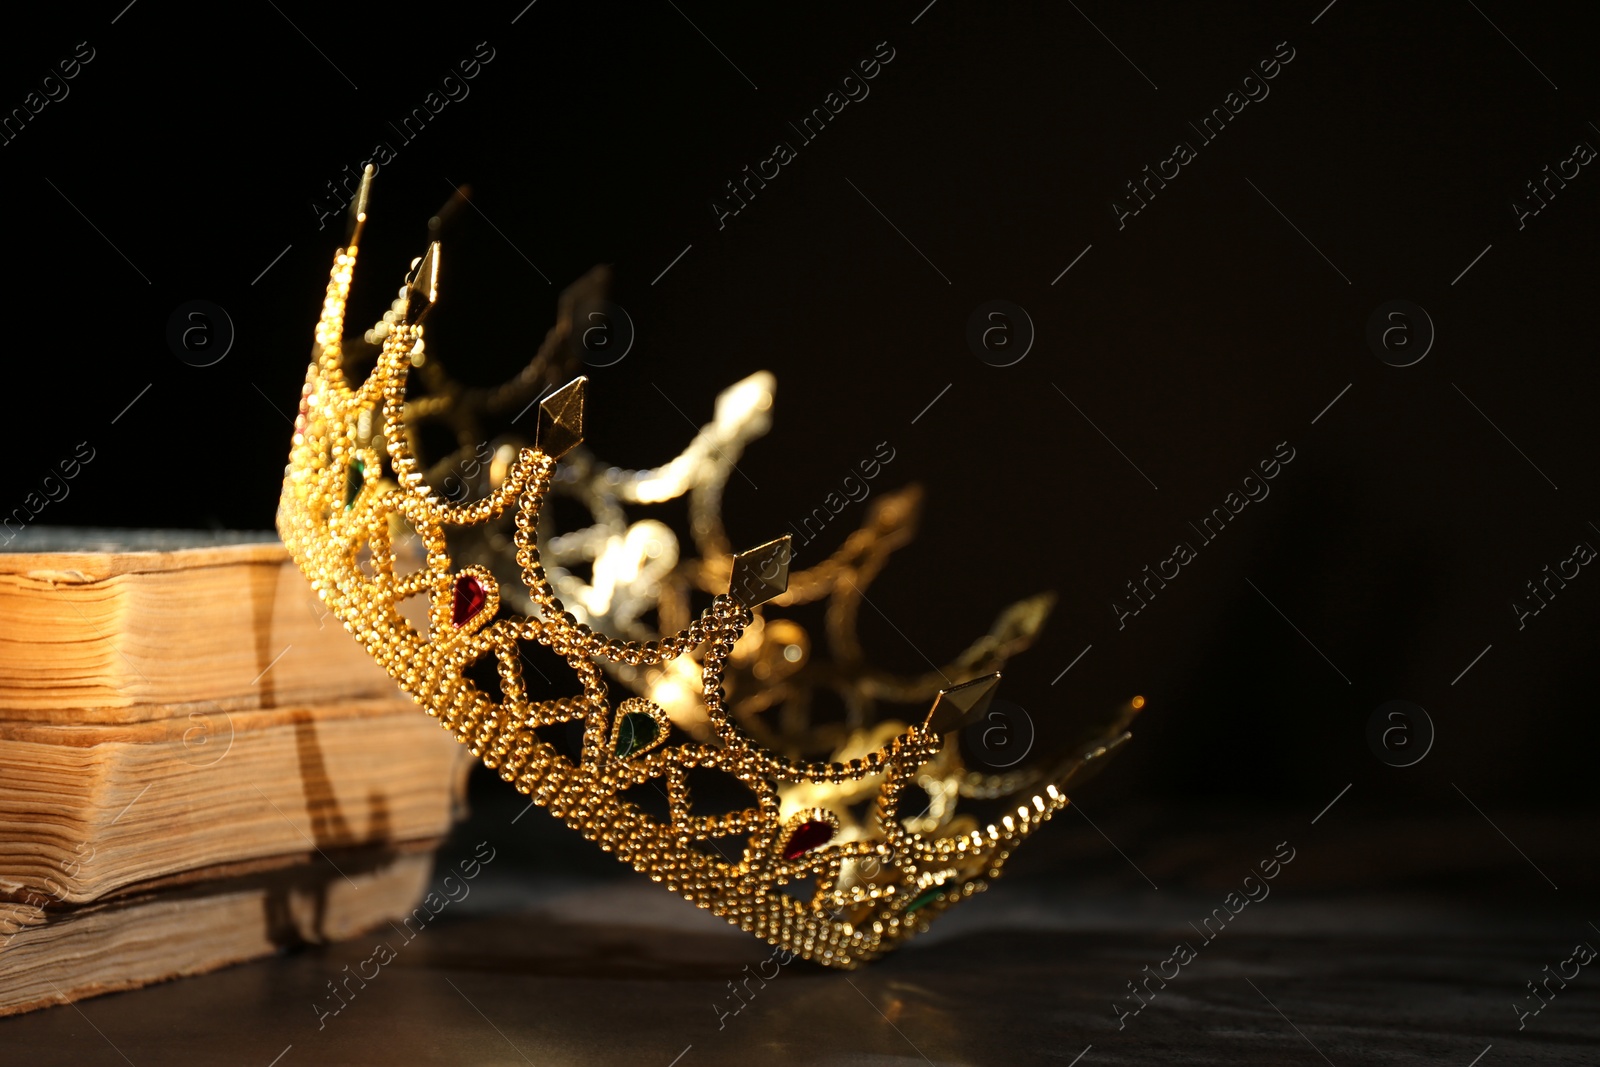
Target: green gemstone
{"points": [[355, 476], [926, 897], [637, 730]]}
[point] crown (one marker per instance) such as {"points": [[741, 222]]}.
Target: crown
{"points": [[835, 859]]}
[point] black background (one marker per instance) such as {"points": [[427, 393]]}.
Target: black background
{"points": [[1199, 336]]}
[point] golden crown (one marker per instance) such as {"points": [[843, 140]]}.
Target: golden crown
{"points": [[829, 861]]}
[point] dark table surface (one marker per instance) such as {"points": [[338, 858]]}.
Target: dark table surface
{"points": [[1384, 941]]}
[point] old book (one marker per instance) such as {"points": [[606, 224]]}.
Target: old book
{"points": [[193, 760], [173, 931], [94, 810], [112, 628]]}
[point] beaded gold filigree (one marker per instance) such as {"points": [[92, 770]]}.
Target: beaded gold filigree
{"points": [[802, 865]]}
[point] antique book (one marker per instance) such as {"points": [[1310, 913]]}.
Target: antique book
{"points": [[196, 765], [222, 918], [109, 626], [90, 811]]}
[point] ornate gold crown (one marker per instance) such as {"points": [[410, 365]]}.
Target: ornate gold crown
{"points": [[828, 860]]}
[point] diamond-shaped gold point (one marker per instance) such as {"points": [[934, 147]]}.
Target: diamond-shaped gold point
{"points": [[358, 208], [560, 427], [761, 573], [422, 288], [959, 705]]}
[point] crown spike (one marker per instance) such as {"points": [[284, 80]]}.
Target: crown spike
{"points": [[358, 208], [560, 428], [962, 704], [759, 574], [422, 287]]}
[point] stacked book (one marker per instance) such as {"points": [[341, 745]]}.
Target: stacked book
{"points": [[198, 766]]}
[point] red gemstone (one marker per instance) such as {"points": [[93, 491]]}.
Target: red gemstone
{"points": [[813, 833], [470, 597]]}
